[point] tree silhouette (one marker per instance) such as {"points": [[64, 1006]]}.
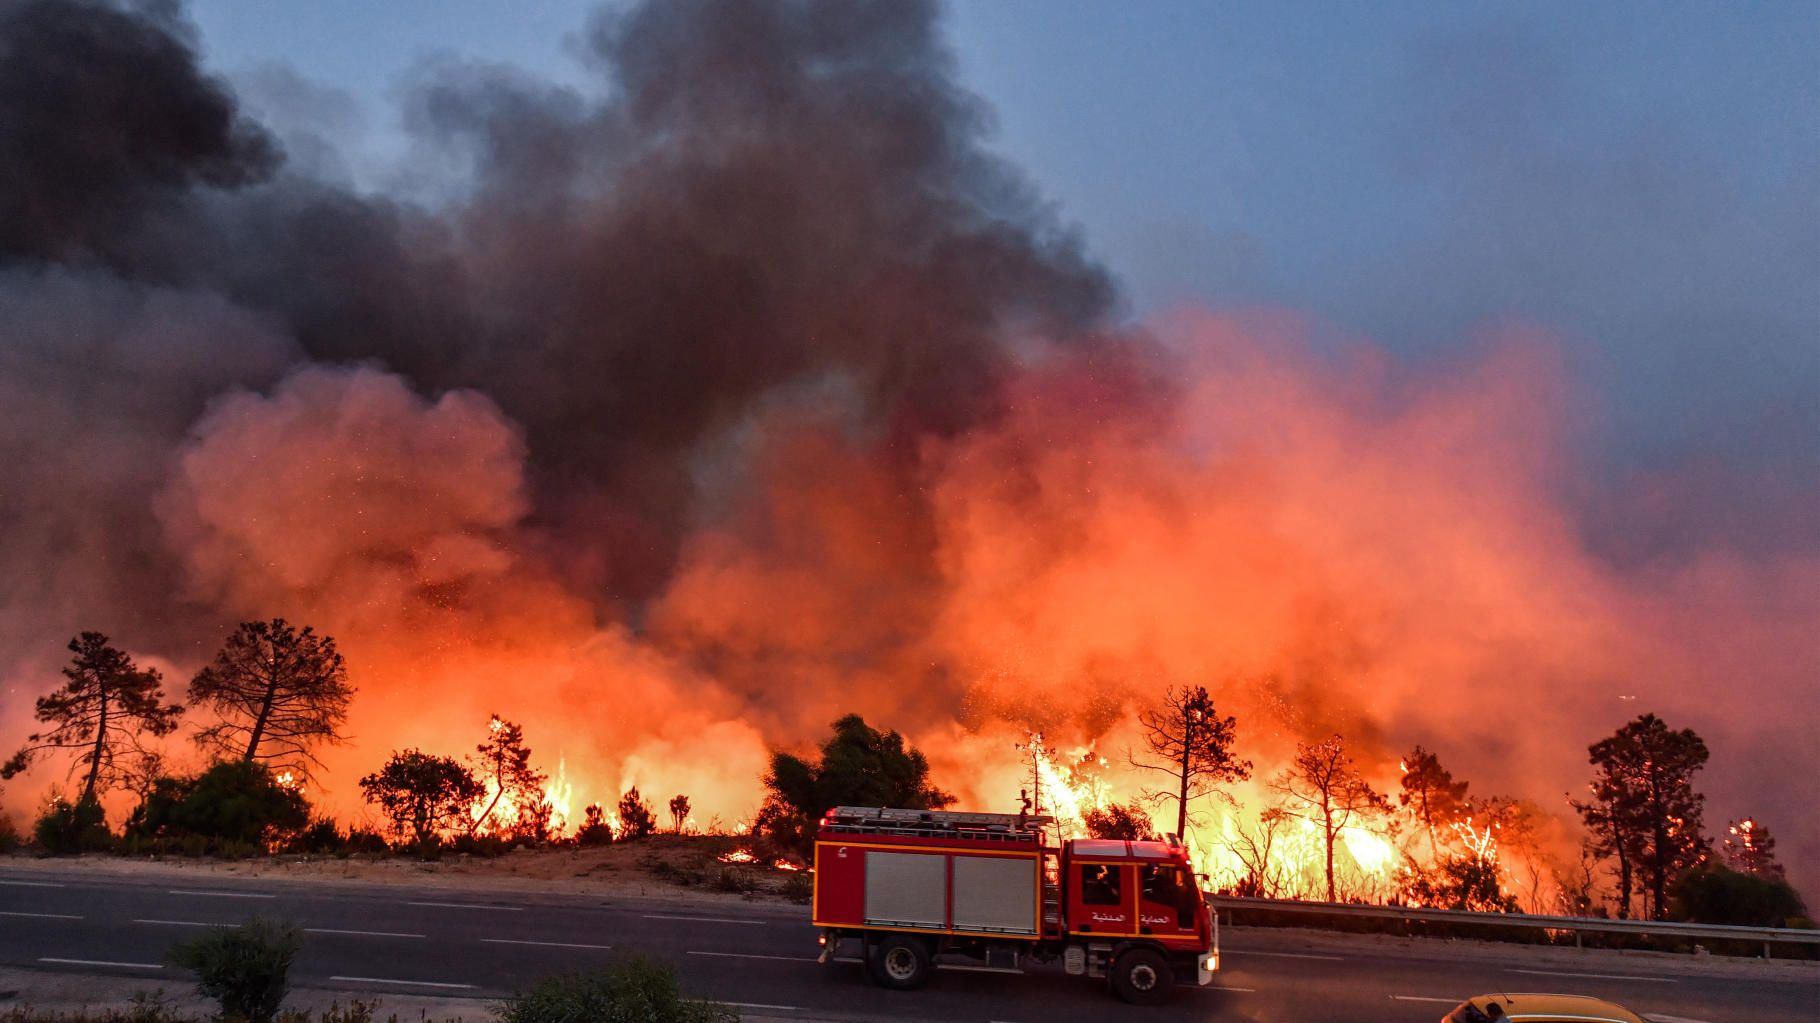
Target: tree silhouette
{"points": [[1193, 746], [1644, 808], [679, 811], [1325, 787], [422, 794], [505, 769], [635, 817], [277, 691], [103, 706], [1115, 821], [1430, 794], [859, 766]]}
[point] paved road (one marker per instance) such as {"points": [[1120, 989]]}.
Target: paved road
{"points": [[463, 942]]}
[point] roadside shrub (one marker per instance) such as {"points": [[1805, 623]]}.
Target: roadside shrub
{"points": [[360, 840], [244, 969], [799, 887], [70, 828], [733, 879], [1719, 895], [488, 846], [9, 835], [234, 803], [594, 830], [633, 989], [635, 817], [322, 837]]}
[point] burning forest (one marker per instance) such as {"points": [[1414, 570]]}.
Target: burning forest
{"points": [[751, 390]]}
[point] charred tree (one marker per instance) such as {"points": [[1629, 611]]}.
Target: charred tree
{"points": [[277, 692], [1191, 744], [103, 707], [504, 763], [1325, 787], [1430, 794]]}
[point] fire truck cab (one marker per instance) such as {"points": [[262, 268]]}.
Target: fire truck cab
{"points": [[909, 891]]}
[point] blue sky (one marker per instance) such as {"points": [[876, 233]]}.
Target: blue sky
{"points": [[1642, 180]]}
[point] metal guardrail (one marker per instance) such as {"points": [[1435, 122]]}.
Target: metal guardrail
{"points": [[1577, 924]]}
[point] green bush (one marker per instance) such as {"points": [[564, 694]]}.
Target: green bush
{"points": [[635, 990], [234, 801], [244, 969], [1717, 895], [322, 837], [360, 840], [69, 828]]}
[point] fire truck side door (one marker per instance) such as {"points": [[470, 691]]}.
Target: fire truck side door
{"points": [[1166, 900]]}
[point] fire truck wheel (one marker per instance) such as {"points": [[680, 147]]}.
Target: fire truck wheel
{"points": [[1143, 977], [901, 963]]}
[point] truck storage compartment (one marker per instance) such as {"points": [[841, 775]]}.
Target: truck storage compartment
{"points": [[906, 889], [995, 893]]}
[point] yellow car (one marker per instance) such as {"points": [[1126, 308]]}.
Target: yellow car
{"points": [[1534, 1008]]}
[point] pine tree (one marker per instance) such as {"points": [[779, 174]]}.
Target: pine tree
{"points": [[1644, 808], [277, 692], [103, 707], [1325, 787], [1192, 744], [504, 766], [1430, 794]]}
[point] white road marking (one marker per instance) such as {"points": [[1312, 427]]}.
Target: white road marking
{"points": [[1599, 976], [183, 923], [545, 944], [754, 955], [468, 905], [1425, 998], [411, 983], [42, 916], [222, 894], [1656, 1017], [705, 920], [761, 1005], [359, 934], [1290, 955], [100, 962], [1219, 987], [31, 884]]}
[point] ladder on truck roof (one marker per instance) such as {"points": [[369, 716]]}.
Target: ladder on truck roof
{"points": [[1016, 828]]}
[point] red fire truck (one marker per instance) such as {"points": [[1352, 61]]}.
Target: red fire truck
{"points": [[908, 891]]}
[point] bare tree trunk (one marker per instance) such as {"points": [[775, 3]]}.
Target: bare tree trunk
{"points": [[1181, 803], [265, 713], [94, 767]]}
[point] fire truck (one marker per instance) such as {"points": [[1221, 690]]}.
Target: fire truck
{"points": [[907, 892]]}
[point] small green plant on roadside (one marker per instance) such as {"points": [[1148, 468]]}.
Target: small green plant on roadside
{"points": [[798, 887], [68, 828], [634, 989], [244, 969]]}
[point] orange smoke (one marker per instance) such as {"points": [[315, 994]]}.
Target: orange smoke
{"points": [[1328, 542]]}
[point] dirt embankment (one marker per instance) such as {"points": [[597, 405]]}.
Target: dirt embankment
{"points": [[661, 865]]}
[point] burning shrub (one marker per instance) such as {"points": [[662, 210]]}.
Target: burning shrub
{"points": [[244, 969], [422, 795], [636, 988], [234, 802], [1459, 882], [635, 817], [68, 828]]}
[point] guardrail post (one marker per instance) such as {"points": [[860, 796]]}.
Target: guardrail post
{"points": [[1577, 939]]}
